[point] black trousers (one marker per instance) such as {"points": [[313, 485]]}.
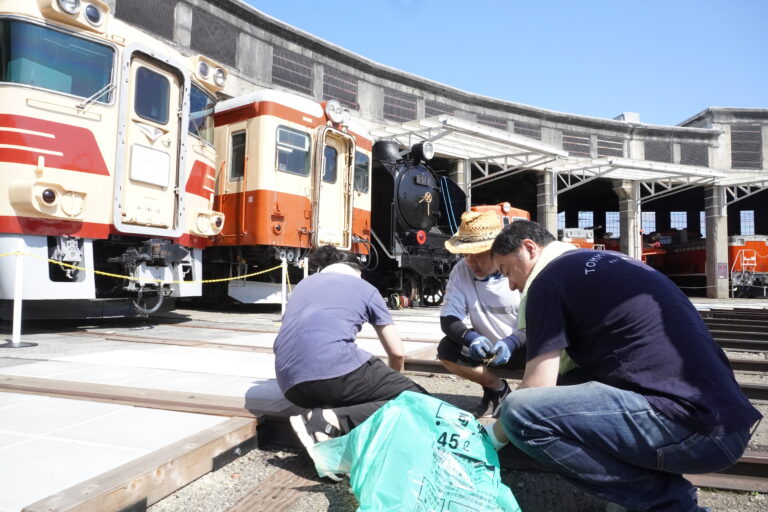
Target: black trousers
{"points": [[356, 395]]}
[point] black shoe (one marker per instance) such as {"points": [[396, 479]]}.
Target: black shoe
{"points": [[490, 404]]}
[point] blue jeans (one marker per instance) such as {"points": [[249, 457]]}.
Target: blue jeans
{"points": [[612, 444]]}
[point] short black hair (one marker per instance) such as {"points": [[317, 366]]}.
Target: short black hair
{"points": [[328, 255], [511, 237]]}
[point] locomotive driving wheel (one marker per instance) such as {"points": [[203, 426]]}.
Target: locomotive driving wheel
{"points": [[433, 292]]}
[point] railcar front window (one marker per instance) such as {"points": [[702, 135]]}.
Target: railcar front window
{"points": [[362, 164], [201, 114], [329, 172], [292, 151], [153, 92], [46, 58]]}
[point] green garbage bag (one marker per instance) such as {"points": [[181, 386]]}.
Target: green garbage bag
{"points": [[418, 453]]}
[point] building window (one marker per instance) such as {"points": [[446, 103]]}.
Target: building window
{"points": [[492, 121], [399, 106], [612, 225], [648, 222], [341, 86], [577, 144], [434, 108], [586, 219], [694, 154], [747, 220], [292, 70], [211, 35], [561, 220], [678, 220], [153, 15], [746, 146], [237, 156], [610, 146], [658, 151], [703, 224], [530, 130]]}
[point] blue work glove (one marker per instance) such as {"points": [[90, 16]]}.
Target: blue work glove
{"points": [[480, 348], [501, 353], [503, 348]]}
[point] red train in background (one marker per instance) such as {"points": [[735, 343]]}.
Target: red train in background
{"points": [[683, 260], [681, 255]]}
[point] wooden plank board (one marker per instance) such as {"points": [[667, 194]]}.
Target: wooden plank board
{"points": [[183, 401], [150, 478]]}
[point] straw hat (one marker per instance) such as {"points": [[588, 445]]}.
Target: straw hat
{"points": [[476, 233]]}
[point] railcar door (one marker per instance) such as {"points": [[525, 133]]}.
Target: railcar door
{"points": [[333, 189], [148, 198]]}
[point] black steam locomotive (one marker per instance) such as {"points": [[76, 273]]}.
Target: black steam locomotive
{"points": [[413, 212]]}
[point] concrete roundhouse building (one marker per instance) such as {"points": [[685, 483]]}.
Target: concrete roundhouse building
{"points": [[707, 175]]}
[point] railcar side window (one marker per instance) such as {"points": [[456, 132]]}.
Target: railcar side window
{"points": [[292, 151], [201, 114], [237, 156], [331, 157], [362, 166], [42, 57], [152, 94]]}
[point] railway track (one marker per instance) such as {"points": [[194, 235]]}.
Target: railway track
{"points": [[744, 332]]}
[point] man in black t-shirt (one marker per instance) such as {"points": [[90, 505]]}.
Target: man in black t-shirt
{"points": [[656, 396]]}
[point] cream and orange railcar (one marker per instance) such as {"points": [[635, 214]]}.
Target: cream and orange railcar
{"points": [[106, 162], [292, 176]]}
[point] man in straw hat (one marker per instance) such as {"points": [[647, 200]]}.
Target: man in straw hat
{"points": [[477, 290]]}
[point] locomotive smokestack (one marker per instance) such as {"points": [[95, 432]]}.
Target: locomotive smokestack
{"points": [[386, 152]]}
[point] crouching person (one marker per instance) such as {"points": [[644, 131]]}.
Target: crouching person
{"points": [[478, 291], [317, 362], [661, 399]]}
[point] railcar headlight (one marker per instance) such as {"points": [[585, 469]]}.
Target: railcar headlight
{"points": [[219, 77], [506, 207], [48, 196], [334, 111], [204, 69], [93, 15], [70, 6]]}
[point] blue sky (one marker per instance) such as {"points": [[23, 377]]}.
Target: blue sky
{"points": [[666, 60]]}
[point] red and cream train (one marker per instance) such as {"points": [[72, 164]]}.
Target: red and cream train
{"points": [[107, 160]]}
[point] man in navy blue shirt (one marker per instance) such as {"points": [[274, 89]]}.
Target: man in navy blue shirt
{"points": [[657, 397]]}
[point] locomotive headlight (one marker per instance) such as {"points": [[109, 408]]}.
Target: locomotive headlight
{"points": [[70, 6], [423, 150], [204, 69], [219, 77], [93, 15], [428, 150], [506, 207]]}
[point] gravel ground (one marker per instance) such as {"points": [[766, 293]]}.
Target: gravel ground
{"points": [[535, 492]]}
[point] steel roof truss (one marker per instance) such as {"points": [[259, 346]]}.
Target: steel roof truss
{"points": [[735, 193], [577, 177]]}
